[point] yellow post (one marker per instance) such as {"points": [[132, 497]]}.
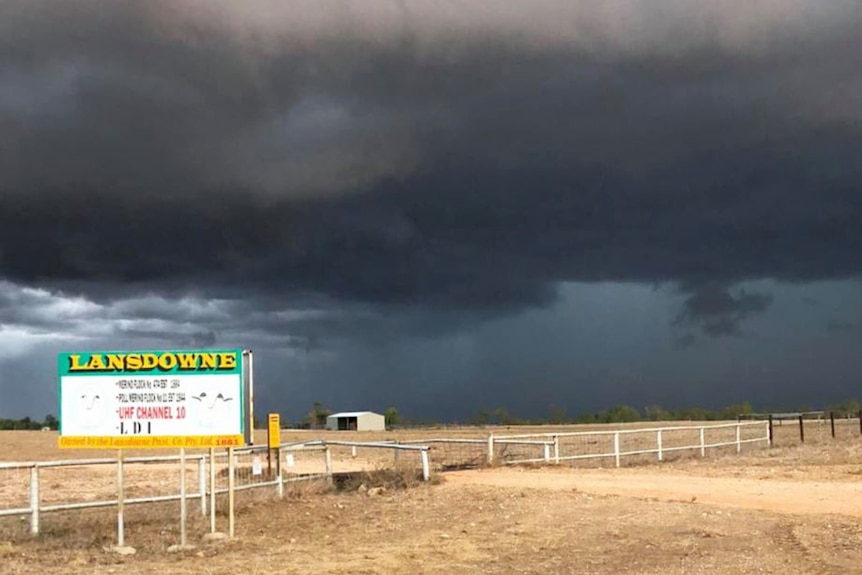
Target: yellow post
{"points": [[274, 431], [273, 439]]}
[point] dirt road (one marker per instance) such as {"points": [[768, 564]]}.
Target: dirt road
{"points": [[797, 497]]}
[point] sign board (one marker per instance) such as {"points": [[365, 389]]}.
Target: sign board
{"points": [[274, 430], [154, 399]]}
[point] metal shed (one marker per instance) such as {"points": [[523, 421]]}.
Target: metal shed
{"points": [[356, 421]]}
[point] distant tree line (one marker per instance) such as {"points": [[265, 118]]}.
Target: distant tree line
{"points": [[26, 423], [626, 413], [316, 417]]}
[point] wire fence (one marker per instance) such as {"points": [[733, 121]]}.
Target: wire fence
{"points": [[787, 428], [449, 454], [840, 426]]}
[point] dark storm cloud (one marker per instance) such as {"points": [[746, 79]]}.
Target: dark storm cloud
{"points": [[685, 341], [719, 312], [195, 339], [837, 326], [432, 155]]}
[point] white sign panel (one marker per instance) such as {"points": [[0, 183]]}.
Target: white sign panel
{"points": [[151, 399]]}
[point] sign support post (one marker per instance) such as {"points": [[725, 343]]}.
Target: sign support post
{"points": [[121, 540], [230, 491], [183, 502], [121, 504], [212, 491]]}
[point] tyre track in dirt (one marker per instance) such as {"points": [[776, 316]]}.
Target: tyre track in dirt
{"points": [[808, 497]]}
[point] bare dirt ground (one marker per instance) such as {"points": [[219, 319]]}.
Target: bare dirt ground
{"points": [[797, 497], [789, 509]]}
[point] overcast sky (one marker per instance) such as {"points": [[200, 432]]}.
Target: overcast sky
{"points": [[442, 205]]}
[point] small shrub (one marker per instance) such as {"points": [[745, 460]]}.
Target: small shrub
{"points": [[8, 549], [390, 479]]}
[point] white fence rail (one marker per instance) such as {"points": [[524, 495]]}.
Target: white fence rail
{"points": [[34, 488], [618, 444], [23, 491]]}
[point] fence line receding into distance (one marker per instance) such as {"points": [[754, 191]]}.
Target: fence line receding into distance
{"points": [[34, 488]]}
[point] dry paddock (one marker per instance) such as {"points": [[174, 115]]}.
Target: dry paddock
{"points": [[791, 508]]}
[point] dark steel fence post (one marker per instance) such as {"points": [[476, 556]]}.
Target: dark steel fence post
{"points": [[771, 436]]}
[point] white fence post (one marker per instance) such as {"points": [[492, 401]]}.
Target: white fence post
{"points": [[121, 536], [547, 447], [280, 485], [491, 449], [658, 445], [557, 449], [34, 500], [231, 492], [738, 438], [426, 467], [617, 448], [702, 443], [202, 483], [183, 502], [212, 491], [327, 458]]}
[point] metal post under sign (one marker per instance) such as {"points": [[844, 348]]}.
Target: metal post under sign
{"points": [[231, 493], [183, 499], [121, 547], [248, 395]]}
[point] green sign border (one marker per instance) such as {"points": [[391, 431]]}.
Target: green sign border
{"points": [[63, 371]]}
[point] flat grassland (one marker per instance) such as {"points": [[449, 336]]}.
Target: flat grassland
{"points": [[42, 446], [792, 508]]}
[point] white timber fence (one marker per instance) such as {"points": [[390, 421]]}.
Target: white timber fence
{"points": [[35, 488], [31, 489], [616, 445]]}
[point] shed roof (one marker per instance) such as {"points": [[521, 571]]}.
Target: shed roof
{"points": [[352, 413]]}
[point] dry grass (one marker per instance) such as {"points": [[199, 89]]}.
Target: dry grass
{"points": [[38, 446]]}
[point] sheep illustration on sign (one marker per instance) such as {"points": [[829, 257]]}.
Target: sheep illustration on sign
{"points": [[90, 410], [212, 410]]}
